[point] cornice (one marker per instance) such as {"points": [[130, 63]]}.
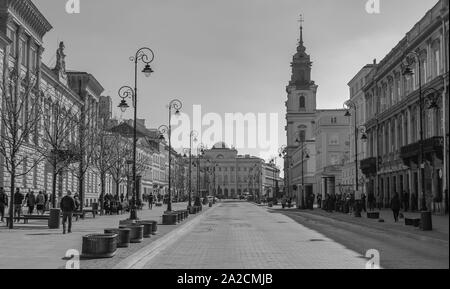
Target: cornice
{"points": [[30, 15]]}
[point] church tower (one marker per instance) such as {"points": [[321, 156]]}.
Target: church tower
{"points": [[301, 100]]}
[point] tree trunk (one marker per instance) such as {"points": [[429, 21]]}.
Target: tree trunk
{"points": [[117, 188], [11, 202], [54, 181], [102, 192]]}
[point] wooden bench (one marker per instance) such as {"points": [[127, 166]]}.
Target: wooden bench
{"points": [[92, 211], [26, 218], [373, 215], [412, 222]]}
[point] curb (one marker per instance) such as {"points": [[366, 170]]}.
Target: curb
{"points": [[144, 255]]}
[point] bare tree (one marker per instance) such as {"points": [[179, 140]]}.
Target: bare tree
{"points": [[19, 118], [121, 150], [104, 156], [85, 146], [60, 126]]}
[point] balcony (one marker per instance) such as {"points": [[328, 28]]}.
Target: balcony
{"points": [[369, 166], [431, 146]]}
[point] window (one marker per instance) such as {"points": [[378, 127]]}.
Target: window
{"points": [[436, 59], [302, 102], [302, 135], [334, 159], [334, 139], [24, 51], [33, 59], [12, 35]]}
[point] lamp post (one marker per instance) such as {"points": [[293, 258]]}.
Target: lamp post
{"points": [[283, 153], [192, 138], [351, 105], [305, 156], [146, 56], [433, 98], [200, 150]]}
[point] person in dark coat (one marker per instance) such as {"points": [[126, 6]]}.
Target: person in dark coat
{"points": [[395, 206], [3, 203], [68, 206], [363, 203], [371, 201], [18, 202]]}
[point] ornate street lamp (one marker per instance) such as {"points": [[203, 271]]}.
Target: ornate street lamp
{"points": [[146, 56], [305, 157], [351, 105], [193, 135], [200, 151], [173, 105]]}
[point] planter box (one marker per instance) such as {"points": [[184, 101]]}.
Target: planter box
{"points": [[169, 219], [99, 246]]}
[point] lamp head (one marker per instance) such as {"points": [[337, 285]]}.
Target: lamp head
{"points": [[123, 105], [147, 70]]}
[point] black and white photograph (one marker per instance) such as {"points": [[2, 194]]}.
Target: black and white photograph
{"points": [[223, 141]]}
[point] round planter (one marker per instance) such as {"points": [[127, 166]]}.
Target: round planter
{"points": [[154, 225], [99, 246], [123, 238], [148, 228], [136, 232]]}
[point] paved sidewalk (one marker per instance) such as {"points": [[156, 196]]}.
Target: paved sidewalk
{"points": [[239, 235], [34, 246], [440, 223]]}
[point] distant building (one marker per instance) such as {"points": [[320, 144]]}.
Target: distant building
{"points": [[231, 175]]}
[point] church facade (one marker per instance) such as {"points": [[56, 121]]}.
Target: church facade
{"points": [[316, 139]]}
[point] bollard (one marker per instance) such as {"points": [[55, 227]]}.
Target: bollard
{"points": [[426, 221]]}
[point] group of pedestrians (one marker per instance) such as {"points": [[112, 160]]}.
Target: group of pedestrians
{"points": [[31, 200], [346, 203]]}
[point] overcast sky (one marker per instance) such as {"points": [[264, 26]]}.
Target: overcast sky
{"points": [[227, 55]]}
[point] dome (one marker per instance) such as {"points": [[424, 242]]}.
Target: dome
{"points": [[220, 145]]}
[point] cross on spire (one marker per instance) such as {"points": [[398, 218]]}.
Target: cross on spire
{"points": [[301, 20]]}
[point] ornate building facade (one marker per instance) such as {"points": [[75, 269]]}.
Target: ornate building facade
{"points": [[61, 93], [394, 115]]}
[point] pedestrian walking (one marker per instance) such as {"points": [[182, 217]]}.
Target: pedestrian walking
{"points": [[122, 197], [150, 201], [363, 202], [47, 201], [30, 200], [319, 200], [18, 203], [371, 201], [406, 201], [68, 207], [395, 206], [3, 203], [40, 203]]}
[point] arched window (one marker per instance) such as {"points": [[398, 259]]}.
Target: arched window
{"points": [[302, 102], [301, 133]]}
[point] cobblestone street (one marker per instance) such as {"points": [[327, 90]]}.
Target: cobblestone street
{"points": [[240, 235]]}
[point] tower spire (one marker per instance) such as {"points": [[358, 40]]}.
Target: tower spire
{"points": [[301, 20]]}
